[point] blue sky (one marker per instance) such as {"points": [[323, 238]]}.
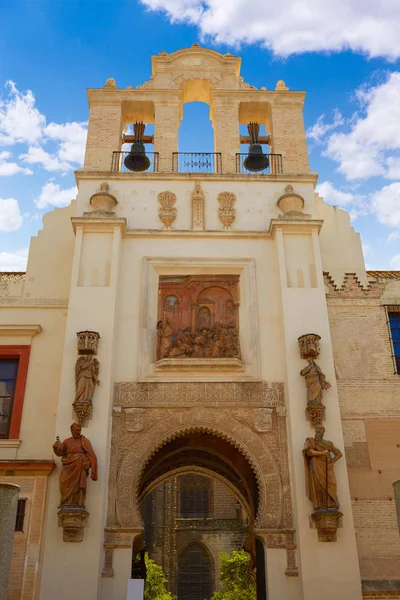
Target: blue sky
{"points": [[345, 55]]}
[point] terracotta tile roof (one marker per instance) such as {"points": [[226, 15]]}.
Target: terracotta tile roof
{"points": [[384, 274]]}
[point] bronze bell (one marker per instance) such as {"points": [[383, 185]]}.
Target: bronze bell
{"points": [[256, 160], [137, 160]]}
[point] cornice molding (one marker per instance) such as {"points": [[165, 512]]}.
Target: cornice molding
{"points": [[19, 330]]}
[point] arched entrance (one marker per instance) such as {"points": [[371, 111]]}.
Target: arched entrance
{"points": [[176, 493]]}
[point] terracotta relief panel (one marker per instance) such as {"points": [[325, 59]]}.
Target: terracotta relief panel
{"points": [[198, 317]]}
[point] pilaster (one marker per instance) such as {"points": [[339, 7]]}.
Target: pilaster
{"points": [[166, 126], [304, 310], [104, 135], [92, 306], [225, 119], [288, 135]]}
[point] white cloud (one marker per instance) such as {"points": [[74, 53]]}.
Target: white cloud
{"points": [[318, 131], [292, 26], [333, 196], [10, 215], [394, 235], [366, 150], [14, 261], [395, 262], [11, 168], [37, 156], [385, 204], [72, 140], [20, 120], [52, 195]]}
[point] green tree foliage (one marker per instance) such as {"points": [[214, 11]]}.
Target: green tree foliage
{"points": [[154, 586], [236, 582]]}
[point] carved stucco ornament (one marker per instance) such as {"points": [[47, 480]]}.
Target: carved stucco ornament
{"points": [[198, 207], [315, 379], [167, 212], [226, 212]]}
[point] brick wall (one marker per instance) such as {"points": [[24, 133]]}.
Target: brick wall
{"points": [[369, 396]]}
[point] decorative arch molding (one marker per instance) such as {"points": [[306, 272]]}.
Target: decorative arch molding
{"points": [[214, 421]]}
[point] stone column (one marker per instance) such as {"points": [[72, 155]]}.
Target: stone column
{"points": [[225, 119], [288, 136], [8, 510], [396, 487]]}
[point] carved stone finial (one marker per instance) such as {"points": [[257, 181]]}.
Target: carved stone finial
{"points": [[281, 85], [198, 207], [88, 342], [110, 83], [320, 456], [226, 212], [80, 459], [195, 45], [103, 201], [290, 203], [167, 212]]}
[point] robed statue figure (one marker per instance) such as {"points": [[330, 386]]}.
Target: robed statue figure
{"points": [[315, 380], [78, 458], [319, 458]]}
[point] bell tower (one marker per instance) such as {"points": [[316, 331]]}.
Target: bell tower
{"points": [[199, 272]]}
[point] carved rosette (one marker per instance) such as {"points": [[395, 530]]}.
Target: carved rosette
{"points": [[327, 522], [87, 342], [73, 521], [167, 212], [309, 345], [226, 212]]}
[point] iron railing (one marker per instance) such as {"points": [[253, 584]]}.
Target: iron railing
{"points": [[274, 165], [117, 162], [196, 162]]}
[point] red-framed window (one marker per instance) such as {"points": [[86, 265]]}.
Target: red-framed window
{"points": [[13, 373]]}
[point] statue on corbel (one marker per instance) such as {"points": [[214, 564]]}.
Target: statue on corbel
{"points": [[86, 375], [78, 459], [319, 457], [315, 379]]}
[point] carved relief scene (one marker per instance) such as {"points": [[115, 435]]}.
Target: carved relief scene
{"points": [[198, 317]]}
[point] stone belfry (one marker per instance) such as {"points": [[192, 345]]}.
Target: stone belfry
{"points": [[200, 275]]}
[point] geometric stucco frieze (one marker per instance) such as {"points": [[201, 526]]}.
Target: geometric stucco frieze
{"points": [[260, 394]]}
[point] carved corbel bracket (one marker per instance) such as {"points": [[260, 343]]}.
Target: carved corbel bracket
{"points": [[327, 521], [73, 521], [83, 411]]}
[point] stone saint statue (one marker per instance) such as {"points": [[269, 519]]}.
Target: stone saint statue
{"points": [[86, 377], [164, 338], [315, 382], [78, 458], [318, 463]]}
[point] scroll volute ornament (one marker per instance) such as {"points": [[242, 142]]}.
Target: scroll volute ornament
{"points": [[315, 379], [86, 375], [226, 212], [167, 212]]}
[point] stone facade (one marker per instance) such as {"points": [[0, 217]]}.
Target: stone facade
{"points": [[240, 421]]}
